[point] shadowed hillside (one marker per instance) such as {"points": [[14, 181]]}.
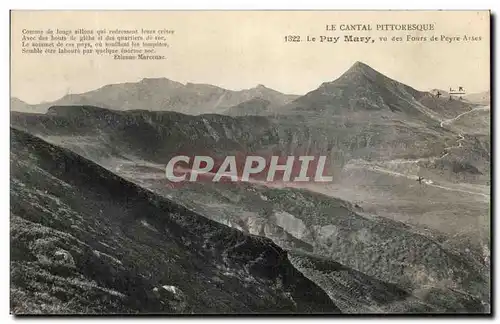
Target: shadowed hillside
{"points": [[84, 240]]}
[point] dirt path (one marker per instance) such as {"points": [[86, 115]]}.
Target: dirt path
{"points": [[451, 120], [375, 166], [367, 166]]}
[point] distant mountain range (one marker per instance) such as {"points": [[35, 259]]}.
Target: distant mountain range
{"points": [[161, 94], [361, 114], [372, 91], [483, 98]]}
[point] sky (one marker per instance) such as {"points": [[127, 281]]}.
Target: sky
{"points": [[239, 50]]}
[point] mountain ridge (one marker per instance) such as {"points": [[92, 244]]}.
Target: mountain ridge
{"points": [[160, 94], [359, 88]]}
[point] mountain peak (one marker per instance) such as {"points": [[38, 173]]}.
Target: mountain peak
{"points": [[360, 64], [356, 73], [203, 86], [361, 68], [361, 88], [17, 100], [154, 79], [159, 81]]}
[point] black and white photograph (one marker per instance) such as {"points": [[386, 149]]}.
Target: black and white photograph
{"points": [[250, 162]]}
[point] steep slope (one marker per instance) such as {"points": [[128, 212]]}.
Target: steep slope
{"points": [[445, 105], [363, 89], [338, 230], [84, 240], [381, 251], [375, 296], [284, 216], [162, 94], [473, 122], [360, 88], [375, 118]]}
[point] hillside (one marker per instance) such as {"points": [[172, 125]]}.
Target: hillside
{"points": [[252, 107], [84, 240], [364, 159], [481, 98], [375, 239], [362, 89], [118, 140]]}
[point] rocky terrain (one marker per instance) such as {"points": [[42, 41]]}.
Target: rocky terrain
{"points": [[375, 240], [84, 240]]}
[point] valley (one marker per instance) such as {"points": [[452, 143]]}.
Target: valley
{"points": [[374, 239]]}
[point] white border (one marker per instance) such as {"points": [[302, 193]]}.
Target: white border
{"points": [[199, 4]]}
